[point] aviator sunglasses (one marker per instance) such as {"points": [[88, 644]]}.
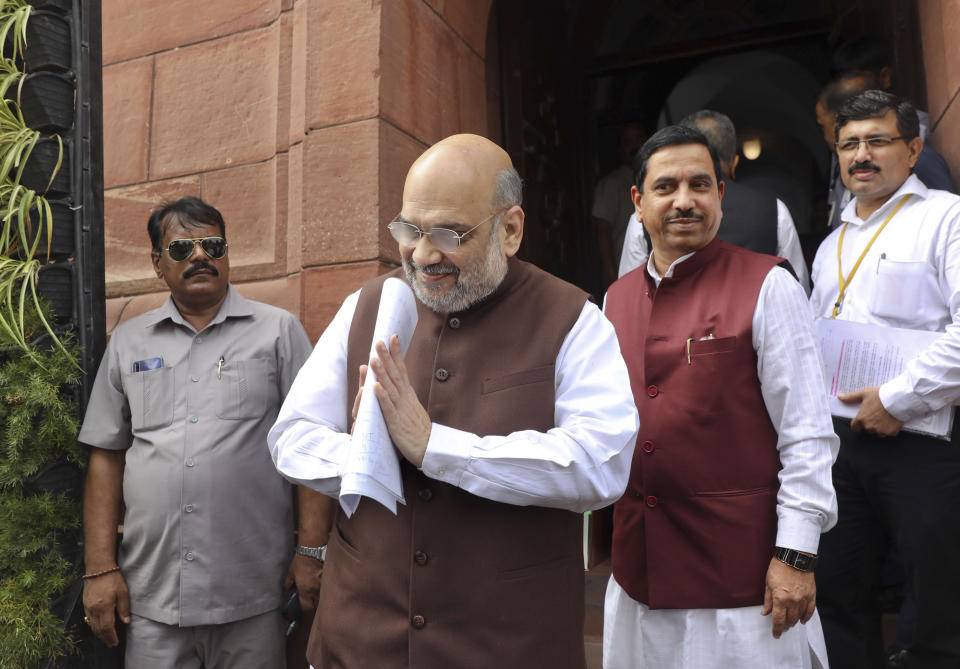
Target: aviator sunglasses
{"points": [[181, 249]]}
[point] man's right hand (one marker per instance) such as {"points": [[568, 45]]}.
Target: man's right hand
{"points": [[102, 596]]}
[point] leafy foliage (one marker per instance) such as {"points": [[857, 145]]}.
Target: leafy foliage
{"points": [[39, 427], [38, 424], [24, 212], [32, 574]]}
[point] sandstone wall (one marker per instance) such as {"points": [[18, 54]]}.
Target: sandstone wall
{"points": [[296, 118]]}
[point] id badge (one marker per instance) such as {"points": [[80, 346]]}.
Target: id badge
{"points": [[147, 364]]}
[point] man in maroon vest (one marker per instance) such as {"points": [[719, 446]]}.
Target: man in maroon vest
{"points": [[511, 414], [730, 485]]}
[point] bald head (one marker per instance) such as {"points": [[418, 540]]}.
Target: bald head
{"points": [[459, 172], [460, 184]]}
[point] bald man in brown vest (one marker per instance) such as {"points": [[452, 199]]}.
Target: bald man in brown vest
{"points": [[511, 414]]}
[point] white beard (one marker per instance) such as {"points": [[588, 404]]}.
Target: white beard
{"points": [[471, 285]]}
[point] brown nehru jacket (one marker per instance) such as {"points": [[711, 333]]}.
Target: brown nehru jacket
{"points": [[455, 580]]}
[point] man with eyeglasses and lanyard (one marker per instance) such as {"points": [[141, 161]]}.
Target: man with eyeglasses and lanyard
{"points": [[894, 261], [177, 422], [512, 414]]}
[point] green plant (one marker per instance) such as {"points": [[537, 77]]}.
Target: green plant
{"points": [[38, 418], [39, 423], [9, 75], [39, 427], [13, 25], [32, 574], [25, 214]]}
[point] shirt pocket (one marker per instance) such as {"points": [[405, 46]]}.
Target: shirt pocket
{"points": [[150, 395], [247, 388], [710, 361], [524, 378], [713, 346], [900, 291]]}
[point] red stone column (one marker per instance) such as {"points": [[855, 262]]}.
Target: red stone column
{"points": [[384, 81], [940, 25]]}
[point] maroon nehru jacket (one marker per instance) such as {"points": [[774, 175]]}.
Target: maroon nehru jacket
{"points": [[456, 580], [697, 525]]}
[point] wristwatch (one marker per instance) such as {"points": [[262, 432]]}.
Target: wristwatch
{"points": [[796, 559], [317, 553]]}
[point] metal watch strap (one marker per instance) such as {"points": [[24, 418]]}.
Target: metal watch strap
{"points": [[796, 559], [317, 553]]}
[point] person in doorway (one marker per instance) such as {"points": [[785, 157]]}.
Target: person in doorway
{"points": [[892, 263], [612, 205]]}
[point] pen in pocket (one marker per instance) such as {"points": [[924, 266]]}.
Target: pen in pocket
{"points": [[219, 366], [691, 340]]}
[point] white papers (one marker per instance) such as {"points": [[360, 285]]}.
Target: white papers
{"points": [[373, 467], [857, 355]]}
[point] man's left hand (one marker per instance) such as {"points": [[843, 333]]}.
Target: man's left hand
{"points": [[305, 572], [872, 416], [406, 419], [791, 596]]}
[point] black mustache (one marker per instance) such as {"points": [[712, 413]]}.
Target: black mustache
{"points": [[865, 165], [200, 266], [688, 213]]}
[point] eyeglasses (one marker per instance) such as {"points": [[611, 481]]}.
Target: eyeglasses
{"points": [[445, 239], [181, 249], [879, 142]]}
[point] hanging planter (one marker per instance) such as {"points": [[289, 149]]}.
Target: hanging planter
{"points": [[55, 285], [62, 244], [46, 100], [47, 170], [48, 44], [62, 6]]}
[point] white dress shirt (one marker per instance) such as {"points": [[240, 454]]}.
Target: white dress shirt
{"points": [[910, 278], [582, 463], [791, 378], [635, 249]]}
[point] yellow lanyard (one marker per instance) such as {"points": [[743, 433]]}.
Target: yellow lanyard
{"points": [[846, 282]]}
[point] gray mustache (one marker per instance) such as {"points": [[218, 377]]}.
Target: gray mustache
{"points": [[435, 268]]}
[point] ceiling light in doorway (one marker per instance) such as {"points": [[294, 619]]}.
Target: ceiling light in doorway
{"points": [[751, 149]]}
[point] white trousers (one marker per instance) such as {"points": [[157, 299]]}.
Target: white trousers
{"points": [[635, 637]]}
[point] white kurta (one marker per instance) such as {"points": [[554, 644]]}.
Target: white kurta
{"points": [[790, 372], [582, 463]]}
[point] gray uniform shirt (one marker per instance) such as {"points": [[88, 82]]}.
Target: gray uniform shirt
{"points": [[208, 523]]}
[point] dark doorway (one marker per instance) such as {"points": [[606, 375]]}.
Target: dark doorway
{"points": [[570, 74]]}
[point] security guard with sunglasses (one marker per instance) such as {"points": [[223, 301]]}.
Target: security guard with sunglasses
{"points": [[177, 422]]}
